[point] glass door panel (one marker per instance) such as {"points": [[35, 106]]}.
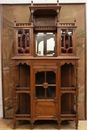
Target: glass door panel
{"points": [[23, 41], [39, 77], [50, 77], [40, 92], [45, 86], [51, 92], [66, 41]]}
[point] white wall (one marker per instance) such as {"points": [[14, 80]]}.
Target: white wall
{"points": [[22, 2], [41, 1]]}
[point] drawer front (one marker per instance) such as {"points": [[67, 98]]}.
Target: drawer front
{"points": [[45, 66]]}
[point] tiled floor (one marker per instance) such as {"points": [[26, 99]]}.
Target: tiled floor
{"points": [[7, 124]]}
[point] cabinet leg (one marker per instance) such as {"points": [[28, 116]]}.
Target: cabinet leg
{"points": [[14, 126], [14, 123], [32, 124], [14, 119], [59, 123], [76, 125], [59, 126]]}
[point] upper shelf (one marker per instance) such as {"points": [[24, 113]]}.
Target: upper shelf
{"points": [[45, 36], [45, 9]]}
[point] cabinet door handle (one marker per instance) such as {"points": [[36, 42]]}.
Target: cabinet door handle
{"points": [[45, 66]]}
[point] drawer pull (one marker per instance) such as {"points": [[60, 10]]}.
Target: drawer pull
{"points": [[45, 66]]}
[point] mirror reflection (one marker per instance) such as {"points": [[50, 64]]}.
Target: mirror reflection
{"points": [[45, 44]]}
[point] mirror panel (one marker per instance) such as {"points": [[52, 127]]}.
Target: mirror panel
{"points": [[45, 44]]}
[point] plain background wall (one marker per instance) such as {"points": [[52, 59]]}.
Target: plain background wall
{"points": [[22, 2], [41, 1]]}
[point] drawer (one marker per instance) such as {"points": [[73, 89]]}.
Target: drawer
{"points": [[45, 66]]}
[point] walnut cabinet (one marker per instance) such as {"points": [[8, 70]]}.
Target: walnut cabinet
{"points": [[45, 67]]}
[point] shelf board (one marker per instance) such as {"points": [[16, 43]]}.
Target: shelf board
{"points": [[22, 116], [68, 89], [22, 89], [68, 116]]}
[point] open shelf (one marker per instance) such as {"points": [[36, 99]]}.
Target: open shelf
{"points": [[22, 104], [68, 90], [22, 89], [68, 115], [23, 116]]}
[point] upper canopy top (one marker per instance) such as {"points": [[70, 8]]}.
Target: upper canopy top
{"points": [[45, 9]]}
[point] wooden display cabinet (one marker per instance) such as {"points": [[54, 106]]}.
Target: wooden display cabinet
{"points": [[45, 67]]}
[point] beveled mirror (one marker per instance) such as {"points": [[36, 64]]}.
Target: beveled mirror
{"points": [[45, 44]]}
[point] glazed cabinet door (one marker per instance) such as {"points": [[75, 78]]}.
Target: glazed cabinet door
{"points": [[45, 93], [23, 39]]}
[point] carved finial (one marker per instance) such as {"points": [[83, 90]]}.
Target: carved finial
{"points": [[75, 20], [32, 3], [14, 23], [57, 2]]}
